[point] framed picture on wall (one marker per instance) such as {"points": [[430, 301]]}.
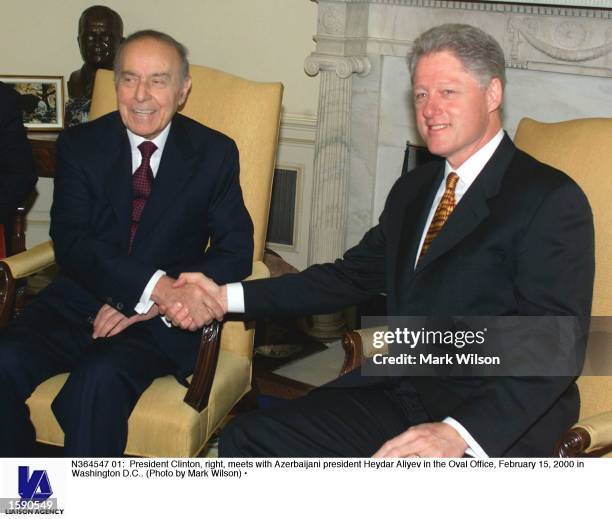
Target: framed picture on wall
{"points": [[42, 100]]}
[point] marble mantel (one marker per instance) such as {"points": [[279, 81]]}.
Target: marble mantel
{"points": [[559, 66]]}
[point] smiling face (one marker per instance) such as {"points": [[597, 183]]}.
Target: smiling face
{"points": [[150, 86], [455, 115]]}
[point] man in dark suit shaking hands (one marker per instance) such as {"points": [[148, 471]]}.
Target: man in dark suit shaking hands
{"points": [[492, 232], [138, 195]]}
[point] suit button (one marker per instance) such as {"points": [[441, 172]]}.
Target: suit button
{"points": [[90, 319], [119, 306]]}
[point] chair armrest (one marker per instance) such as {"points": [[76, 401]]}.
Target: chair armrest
{"points": [[233, 338], [260, 271], [20, 266], [30, 262], [358, 344], [592, 435]]}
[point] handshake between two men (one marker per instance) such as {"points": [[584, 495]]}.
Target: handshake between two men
{"points": [[189, 302]]}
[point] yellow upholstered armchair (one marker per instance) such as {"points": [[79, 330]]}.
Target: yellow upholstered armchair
{"points": [[170, 420], [580, 148]]}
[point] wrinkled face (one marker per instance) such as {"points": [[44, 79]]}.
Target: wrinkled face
{"points": [[455, 115], [150, 86], [98, 40]]}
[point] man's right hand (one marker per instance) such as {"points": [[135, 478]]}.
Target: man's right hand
{"points": [[214, 296], [188, 306]]}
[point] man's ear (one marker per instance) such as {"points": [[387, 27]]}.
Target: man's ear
{"points": [[185, 88], [494, 94]]}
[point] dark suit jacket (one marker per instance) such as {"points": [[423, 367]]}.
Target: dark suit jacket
{"points": [[196, 197], [17, 174], [520, 242]]}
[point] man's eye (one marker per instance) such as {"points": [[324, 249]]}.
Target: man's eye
{"points": [[159, 82], [420, 95], [449, 92]]}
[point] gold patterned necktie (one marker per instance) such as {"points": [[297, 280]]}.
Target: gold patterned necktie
{"points": [[443, 211]]}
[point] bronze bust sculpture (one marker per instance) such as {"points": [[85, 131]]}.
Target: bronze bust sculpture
{"points": [[100, 33]]}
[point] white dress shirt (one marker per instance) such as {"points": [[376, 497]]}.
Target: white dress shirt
{"points": [[145, 303], [467, 172]]}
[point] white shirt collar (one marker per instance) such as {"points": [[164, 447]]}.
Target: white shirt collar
{"points": [[159, 141], [469, 170]]}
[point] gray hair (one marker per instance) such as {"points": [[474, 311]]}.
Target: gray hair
{"points": [[478, 51], [155, 35]]}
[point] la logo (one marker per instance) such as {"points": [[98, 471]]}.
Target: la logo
{"points": [[34, 488]]}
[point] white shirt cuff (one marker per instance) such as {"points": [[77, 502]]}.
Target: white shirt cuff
{"points": [[145, 303], [474, 449], [235, 298]]}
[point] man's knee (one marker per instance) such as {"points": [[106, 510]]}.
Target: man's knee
{"points": [[240, 438], [9, 359], [230, 439], [95, 382], [12, 372], [95, 390]]}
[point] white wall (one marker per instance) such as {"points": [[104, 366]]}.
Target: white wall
{"points": [[264, 40]]}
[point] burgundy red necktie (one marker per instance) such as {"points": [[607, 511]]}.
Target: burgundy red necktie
{"points": [[142, 182]]}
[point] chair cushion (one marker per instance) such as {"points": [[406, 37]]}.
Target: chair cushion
{"points": [[595, 395], [161, 423]]}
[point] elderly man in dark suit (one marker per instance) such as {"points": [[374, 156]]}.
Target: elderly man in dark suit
{"points": [[493, 232], [138, 195], [17, 174]]}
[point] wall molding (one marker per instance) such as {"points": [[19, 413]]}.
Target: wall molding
{"points": [[296, 150], [571, 40], [298, 129], [589, 8]]}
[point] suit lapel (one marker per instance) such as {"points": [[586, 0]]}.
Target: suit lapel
{"points": [[175, 168], [418, 199], [119, 184], [473, 207]]}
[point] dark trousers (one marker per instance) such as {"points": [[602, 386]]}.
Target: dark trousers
{"points": [[107, 376], [329, 422]]}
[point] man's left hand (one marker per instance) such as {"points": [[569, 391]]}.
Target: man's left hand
{"points": [[109, 321], [426, 440]]}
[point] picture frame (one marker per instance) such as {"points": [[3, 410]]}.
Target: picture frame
{"points": [[42, 99]]}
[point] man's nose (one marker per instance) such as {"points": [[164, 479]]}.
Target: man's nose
{"points": [[431, 107], [142, 91]]}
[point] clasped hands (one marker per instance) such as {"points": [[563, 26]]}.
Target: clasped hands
{"points": [[189, 302]]}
